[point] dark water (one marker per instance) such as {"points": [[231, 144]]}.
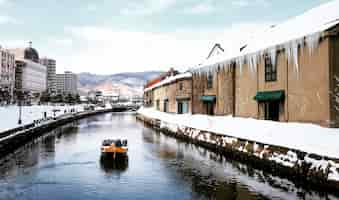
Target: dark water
{"points": [[65, 164]]}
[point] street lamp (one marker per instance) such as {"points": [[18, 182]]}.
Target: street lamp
{"points": [[20, 96], [20, 111]]}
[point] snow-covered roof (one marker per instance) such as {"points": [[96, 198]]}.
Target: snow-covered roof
{"points": [[305, 28], [216, 50], [169, 80]]}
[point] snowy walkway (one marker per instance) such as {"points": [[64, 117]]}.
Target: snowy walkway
{"points": [[304, 137], [9, 115]]}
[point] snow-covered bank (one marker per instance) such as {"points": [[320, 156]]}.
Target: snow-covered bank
{"points": [[293, 145], [304, 137], [9, 115]]}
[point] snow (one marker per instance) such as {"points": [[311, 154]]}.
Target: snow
{"points": [[288, 160], [9, 115], [169, 80], [308, 138], [305, 29]]}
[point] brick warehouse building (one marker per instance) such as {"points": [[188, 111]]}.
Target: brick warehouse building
{"points": [[172, 94], [289, 73], [295, 80]]}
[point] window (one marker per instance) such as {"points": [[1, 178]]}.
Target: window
{"points": [[181, 86], [166, 105], [183, 107], [158, 104], [270, 70], [209, 81]]}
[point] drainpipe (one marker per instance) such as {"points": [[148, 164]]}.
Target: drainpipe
{"points": [[192, 95], [233, 68], [258, 108], [286, 96]]}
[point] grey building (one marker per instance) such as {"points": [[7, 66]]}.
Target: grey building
{"points": [[30, 75], [51, 74], [67, 83], [7, 75]]}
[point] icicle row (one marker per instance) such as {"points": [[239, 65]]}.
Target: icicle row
{"points": [[312, 42], [291, 52]]}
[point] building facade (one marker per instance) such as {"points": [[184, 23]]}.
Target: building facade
{"points": [[148, 94], [276, 88], [7, 76], [213, 93], [51, 74], [289, 73], [172, 95], [30, 75], [67, 83]]}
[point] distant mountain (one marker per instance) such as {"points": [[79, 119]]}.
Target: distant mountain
{"points": [[125, 84]]}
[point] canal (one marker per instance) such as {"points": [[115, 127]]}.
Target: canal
{"points": [[66, 164]]}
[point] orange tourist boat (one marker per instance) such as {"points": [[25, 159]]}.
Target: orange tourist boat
{"points": [[114, 147]]}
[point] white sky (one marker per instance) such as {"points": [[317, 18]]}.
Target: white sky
{"points": [[107, 36]]}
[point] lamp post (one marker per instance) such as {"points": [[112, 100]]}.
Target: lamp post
{"points": [[20, 106], [20, 111]]}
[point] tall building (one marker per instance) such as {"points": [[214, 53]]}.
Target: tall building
{"points": [[30, 75], [51, 74], [67, 83], [7, 75]]}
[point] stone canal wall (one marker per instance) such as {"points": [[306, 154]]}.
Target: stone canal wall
{"points": [[12, 139], [305, 169]]}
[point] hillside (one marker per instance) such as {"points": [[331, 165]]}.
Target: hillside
{"points": [[125, 84]]}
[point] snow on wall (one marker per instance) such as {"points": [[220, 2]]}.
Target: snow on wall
{"points": [[302, 31], [336, 96]]}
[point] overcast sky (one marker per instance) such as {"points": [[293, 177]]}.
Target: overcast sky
{"points": [[111, 36]]}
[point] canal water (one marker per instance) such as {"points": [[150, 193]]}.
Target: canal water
{"points": [[66, 164]]}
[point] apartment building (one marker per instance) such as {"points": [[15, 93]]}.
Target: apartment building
{"points": [[67, 83]]}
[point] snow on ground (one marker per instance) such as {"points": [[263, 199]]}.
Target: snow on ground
{"points": [[300, 136], [9, 115]]}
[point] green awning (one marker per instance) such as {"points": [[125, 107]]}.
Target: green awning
{"points": [[208, 98], [278, 95], [182, 98]]}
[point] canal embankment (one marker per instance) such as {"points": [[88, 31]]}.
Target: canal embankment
{"points": [[14, 138], [304, 153]]}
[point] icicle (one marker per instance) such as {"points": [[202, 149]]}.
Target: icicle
{"points": [[239, 62], [291, 51], [312, 42], [253, 62], [249, 63], [288, 52], [295, 53], [273, 56]]}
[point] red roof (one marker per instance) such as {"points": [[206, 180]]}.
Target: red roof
{"points": [[160, 78]]}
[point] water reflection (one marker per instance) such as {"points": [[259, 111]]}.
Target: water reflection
{"points": [[212, 176], [66, 164], [39, 150], [118, 165]]}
